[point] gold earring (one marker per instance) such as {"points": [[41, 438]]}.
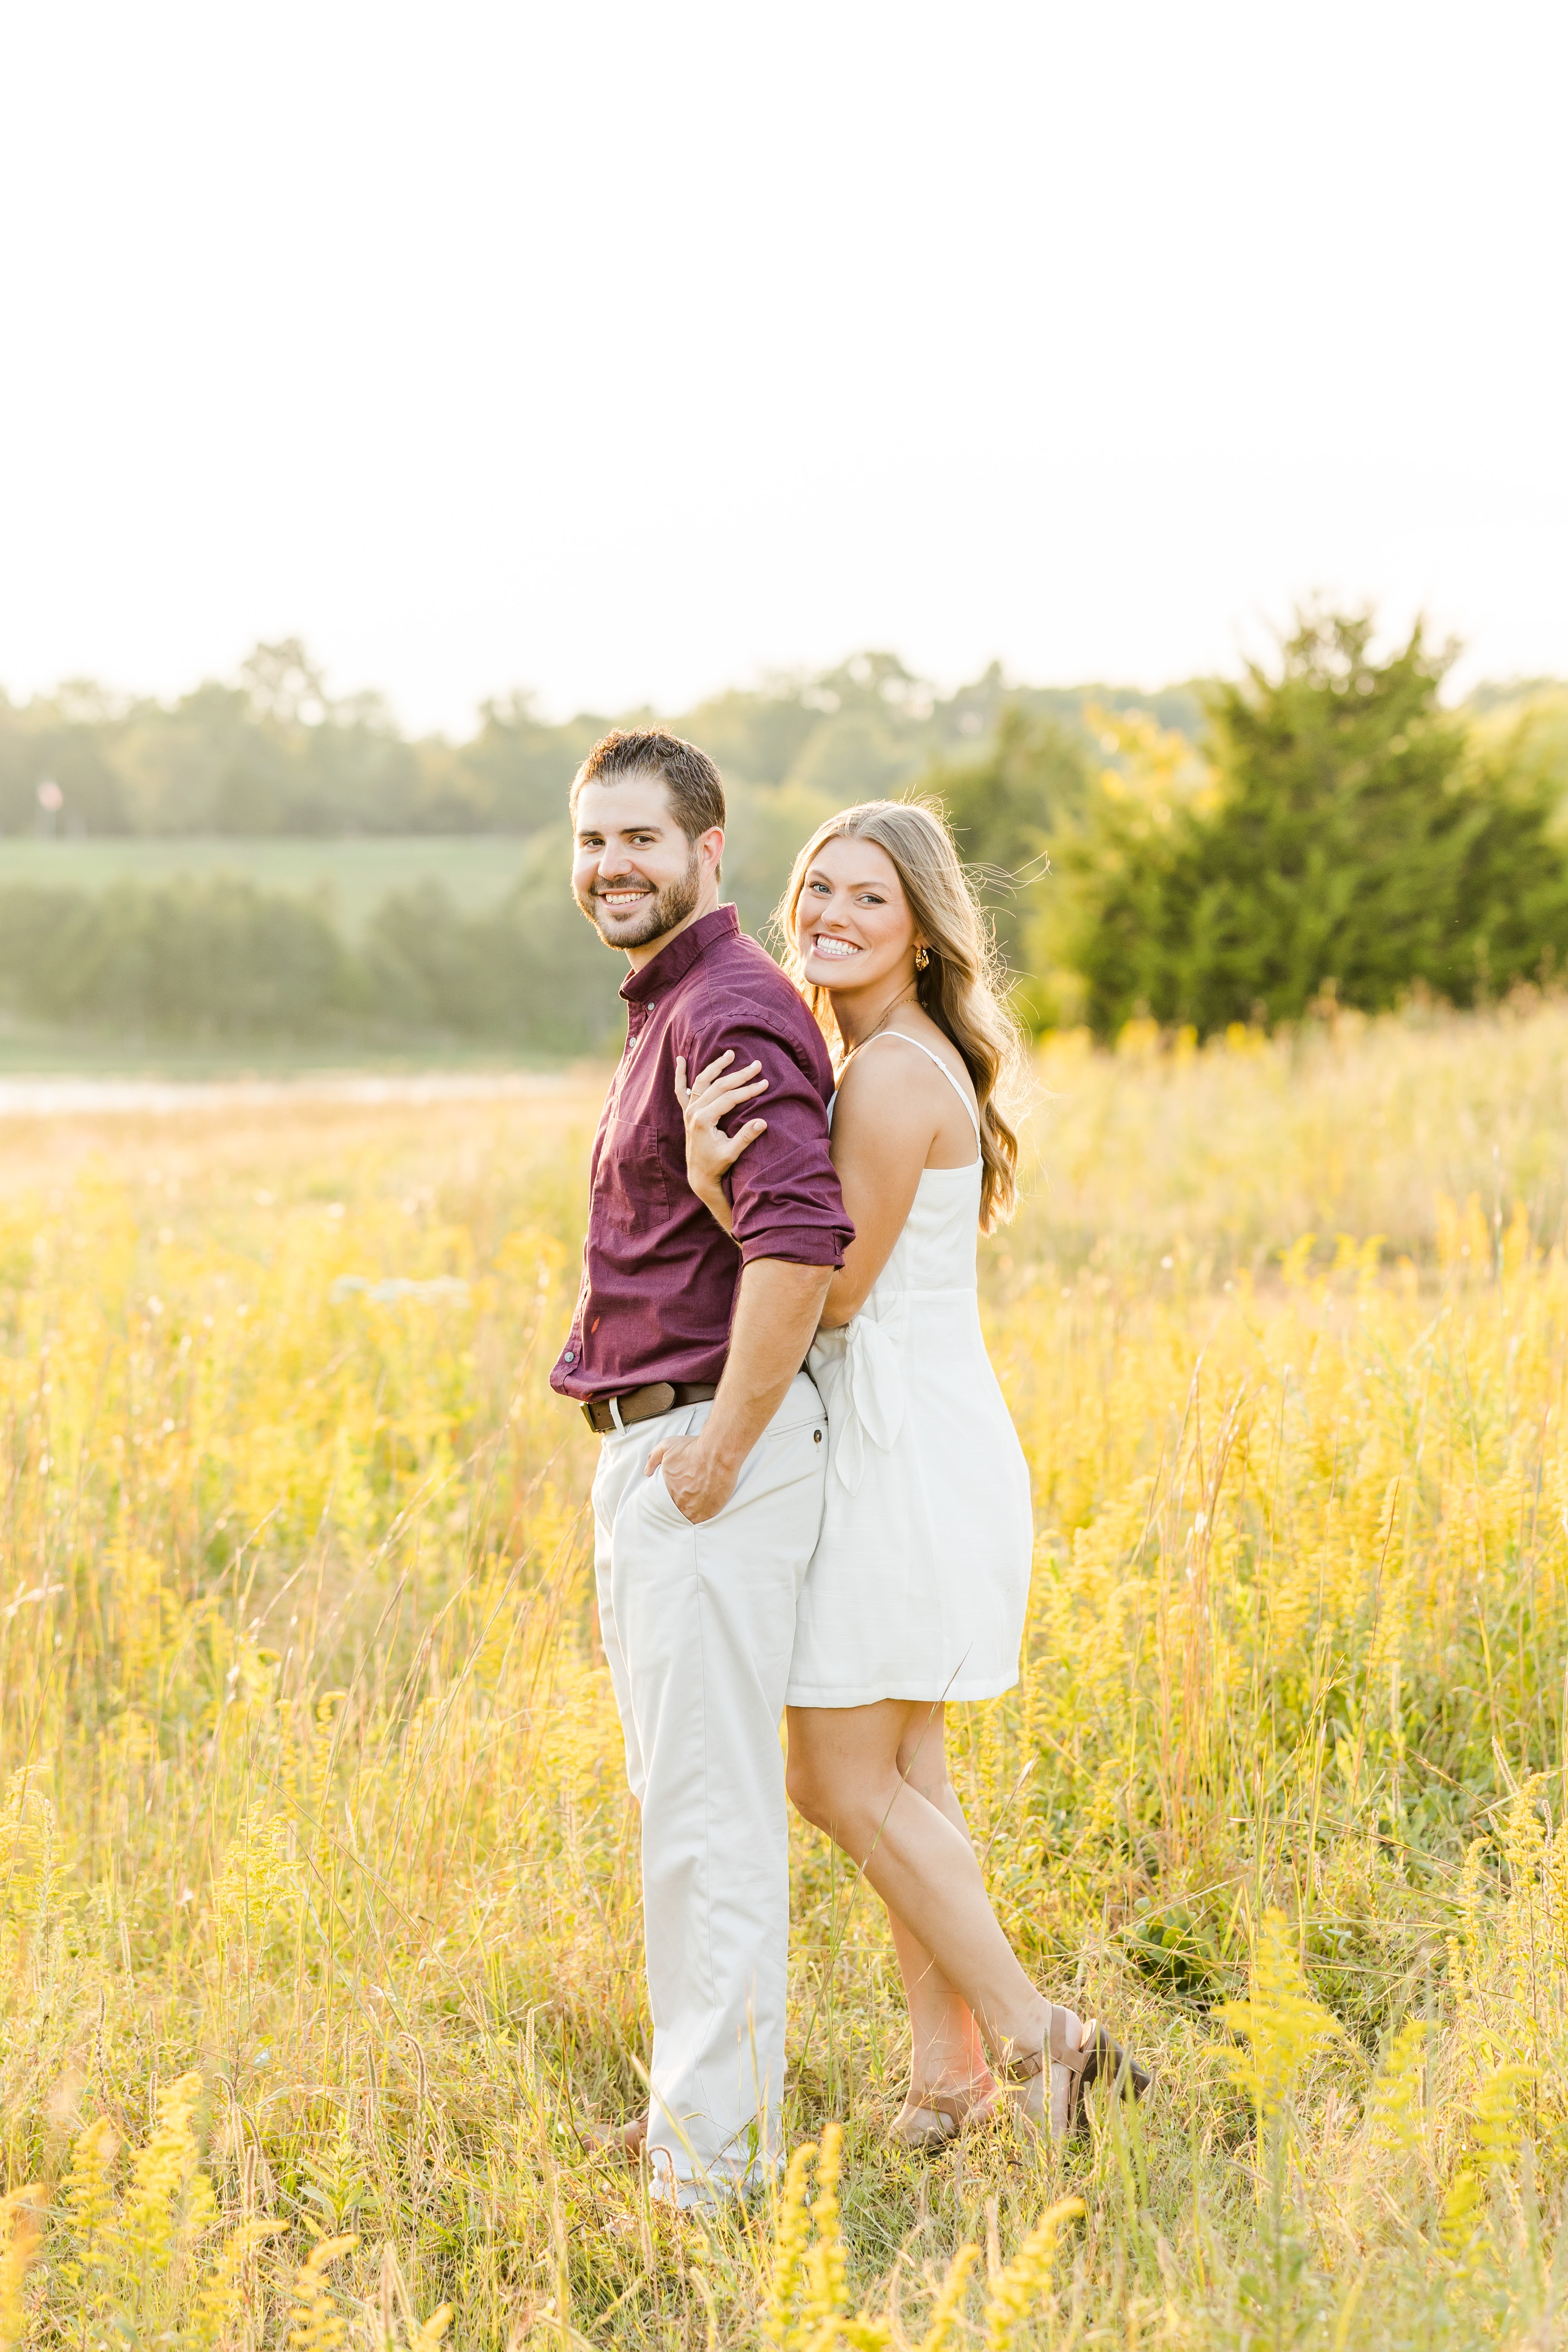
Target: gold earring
{"points": [[922, 957]]}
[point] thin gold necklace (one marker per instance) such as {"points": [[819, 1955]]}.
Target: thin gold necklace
{"points": [[912, 990]]}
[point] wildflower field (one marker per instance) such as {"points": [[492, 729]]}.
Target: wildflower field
{"points": [[319, 1934]]}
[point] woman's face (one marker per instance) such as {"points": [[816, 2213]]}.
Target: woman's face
{"points": [[853, 928]]}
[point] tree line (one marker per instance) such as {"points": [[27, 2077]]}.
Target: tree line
{"points": [[199, 959], [1323, 827], [272, 753]]}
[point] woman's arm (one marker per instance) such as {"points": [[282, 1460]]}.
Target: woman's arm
{"points": [[885, 1122], [886, 1119]]}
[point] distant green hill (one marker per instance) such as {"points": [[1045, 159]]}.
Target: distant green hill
{"points": [[351, 874]]}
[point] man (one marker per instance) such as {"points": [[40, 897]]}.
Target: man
{"points": [[686, 1352]]}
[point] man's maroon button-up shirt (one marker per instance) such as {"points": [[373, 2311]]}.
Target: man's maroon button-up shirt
{"points": [[658, 1274]]}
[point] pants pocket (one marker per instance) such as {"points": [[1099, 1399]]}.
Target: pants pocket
{"points": [[784, 1459], [661, 1503]]}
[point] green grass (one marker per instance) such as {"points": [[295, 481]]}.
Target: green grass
{"points": [[475, 868]]}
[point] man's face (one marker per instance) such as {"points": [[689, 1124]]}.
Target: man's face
{"points": [[635, 874]]}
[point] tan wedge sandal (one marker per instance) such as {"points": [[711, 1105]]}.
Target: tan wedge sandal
{"points": [[1078, 2054], [936, 2123]]}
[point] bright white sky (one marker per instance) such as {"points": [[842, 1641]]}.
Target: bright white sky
{"points": [[625, 350]]}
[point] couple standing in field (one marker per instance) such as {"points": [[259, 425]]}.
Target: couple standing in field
{"points": [[810, 1496]]}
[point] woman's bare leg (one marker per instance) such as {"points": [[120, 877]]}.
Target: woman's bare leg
{"points": [[947, 2052], [875, 1778]]}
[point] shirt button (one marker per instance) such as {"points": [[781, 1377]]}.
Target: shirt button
{"points": [[571, 1355]]}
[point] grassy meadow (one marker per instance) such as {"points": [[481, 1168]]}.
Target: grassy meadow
{"points": [[319, 1934], [356, 872]]}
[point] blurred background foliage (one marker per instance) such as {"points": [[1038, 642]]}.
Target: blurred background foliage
{"points": [[258, 861]]}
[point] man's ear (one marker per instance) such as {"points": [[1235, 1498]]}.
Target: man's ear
{"points": [[711, 847]]}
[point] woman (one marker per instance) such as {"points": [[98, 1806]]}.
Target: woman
{"points": [[917, 1591]]}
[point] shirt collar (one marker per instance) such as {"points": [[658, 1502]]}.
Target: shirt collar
{"points": [[673, 962]]}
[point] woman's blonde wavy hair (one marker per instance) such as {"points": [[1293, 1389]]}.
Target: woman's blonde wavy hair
{"points": [[959, 989]]}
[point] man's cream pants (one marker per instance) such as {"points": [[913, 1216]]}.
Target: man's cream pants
{"points": [[697, 1625]]}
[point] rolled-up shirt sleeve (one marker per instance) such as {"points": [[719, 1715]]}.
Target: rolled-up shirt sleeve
{"points": [[783, 1189]]}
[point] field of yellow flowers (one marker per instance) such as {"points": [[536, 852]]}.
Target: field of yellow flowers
{"points": [[319, 1939]]}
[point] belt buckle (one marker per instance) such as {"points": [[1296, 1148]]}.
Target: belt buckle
{"points": [[657, 1397]]}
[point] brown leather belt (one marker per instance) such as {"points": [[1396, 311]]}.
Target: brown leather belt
{"points": [[645, 1404]]}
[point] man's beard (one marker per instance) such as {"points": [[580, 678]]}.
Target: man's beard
{"points": [[652, 918]]}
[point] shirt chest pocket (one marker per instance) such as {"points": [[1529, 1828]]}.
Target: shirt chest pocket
{"points": [[631, 1187]]}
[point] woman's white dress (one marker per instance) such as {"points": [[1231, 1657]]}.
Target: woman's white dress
{"points": [[920, 1581]]}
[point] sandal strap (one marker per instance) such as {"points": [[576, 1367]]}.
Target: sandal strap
{"points": [[953, 2106], [949, 2112], [1093, 2033], [1055, 2047]]}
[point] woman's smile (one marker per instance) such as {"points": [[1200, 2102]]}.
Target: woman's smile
{"points": [[856, 884]]}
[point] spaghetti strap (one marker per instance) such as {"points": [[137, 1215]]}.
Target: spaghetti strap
{"points": [[898, 1035]]}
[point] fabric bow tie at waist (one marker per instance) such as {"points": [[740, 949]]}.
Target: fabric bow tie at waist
{"points": [[859, 1372]]}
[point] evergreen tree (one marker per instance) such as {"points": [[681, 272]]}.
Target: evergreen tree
{"points": [[1355, 842]]}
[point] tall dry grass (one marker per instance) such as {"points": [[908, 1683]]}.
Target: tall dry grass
{"points": [[318, 1941]]}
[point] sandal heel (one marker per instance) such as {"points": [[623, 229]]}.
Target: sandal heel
{"points": [[1093, 2055]]}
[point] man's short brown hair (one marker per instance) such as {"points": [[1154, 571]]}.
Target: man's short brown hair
{"points": [[696, 787]]}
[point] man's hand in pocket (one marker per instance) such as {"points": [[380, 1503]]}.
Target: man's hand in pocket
{"points": [[699, 1482]]}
